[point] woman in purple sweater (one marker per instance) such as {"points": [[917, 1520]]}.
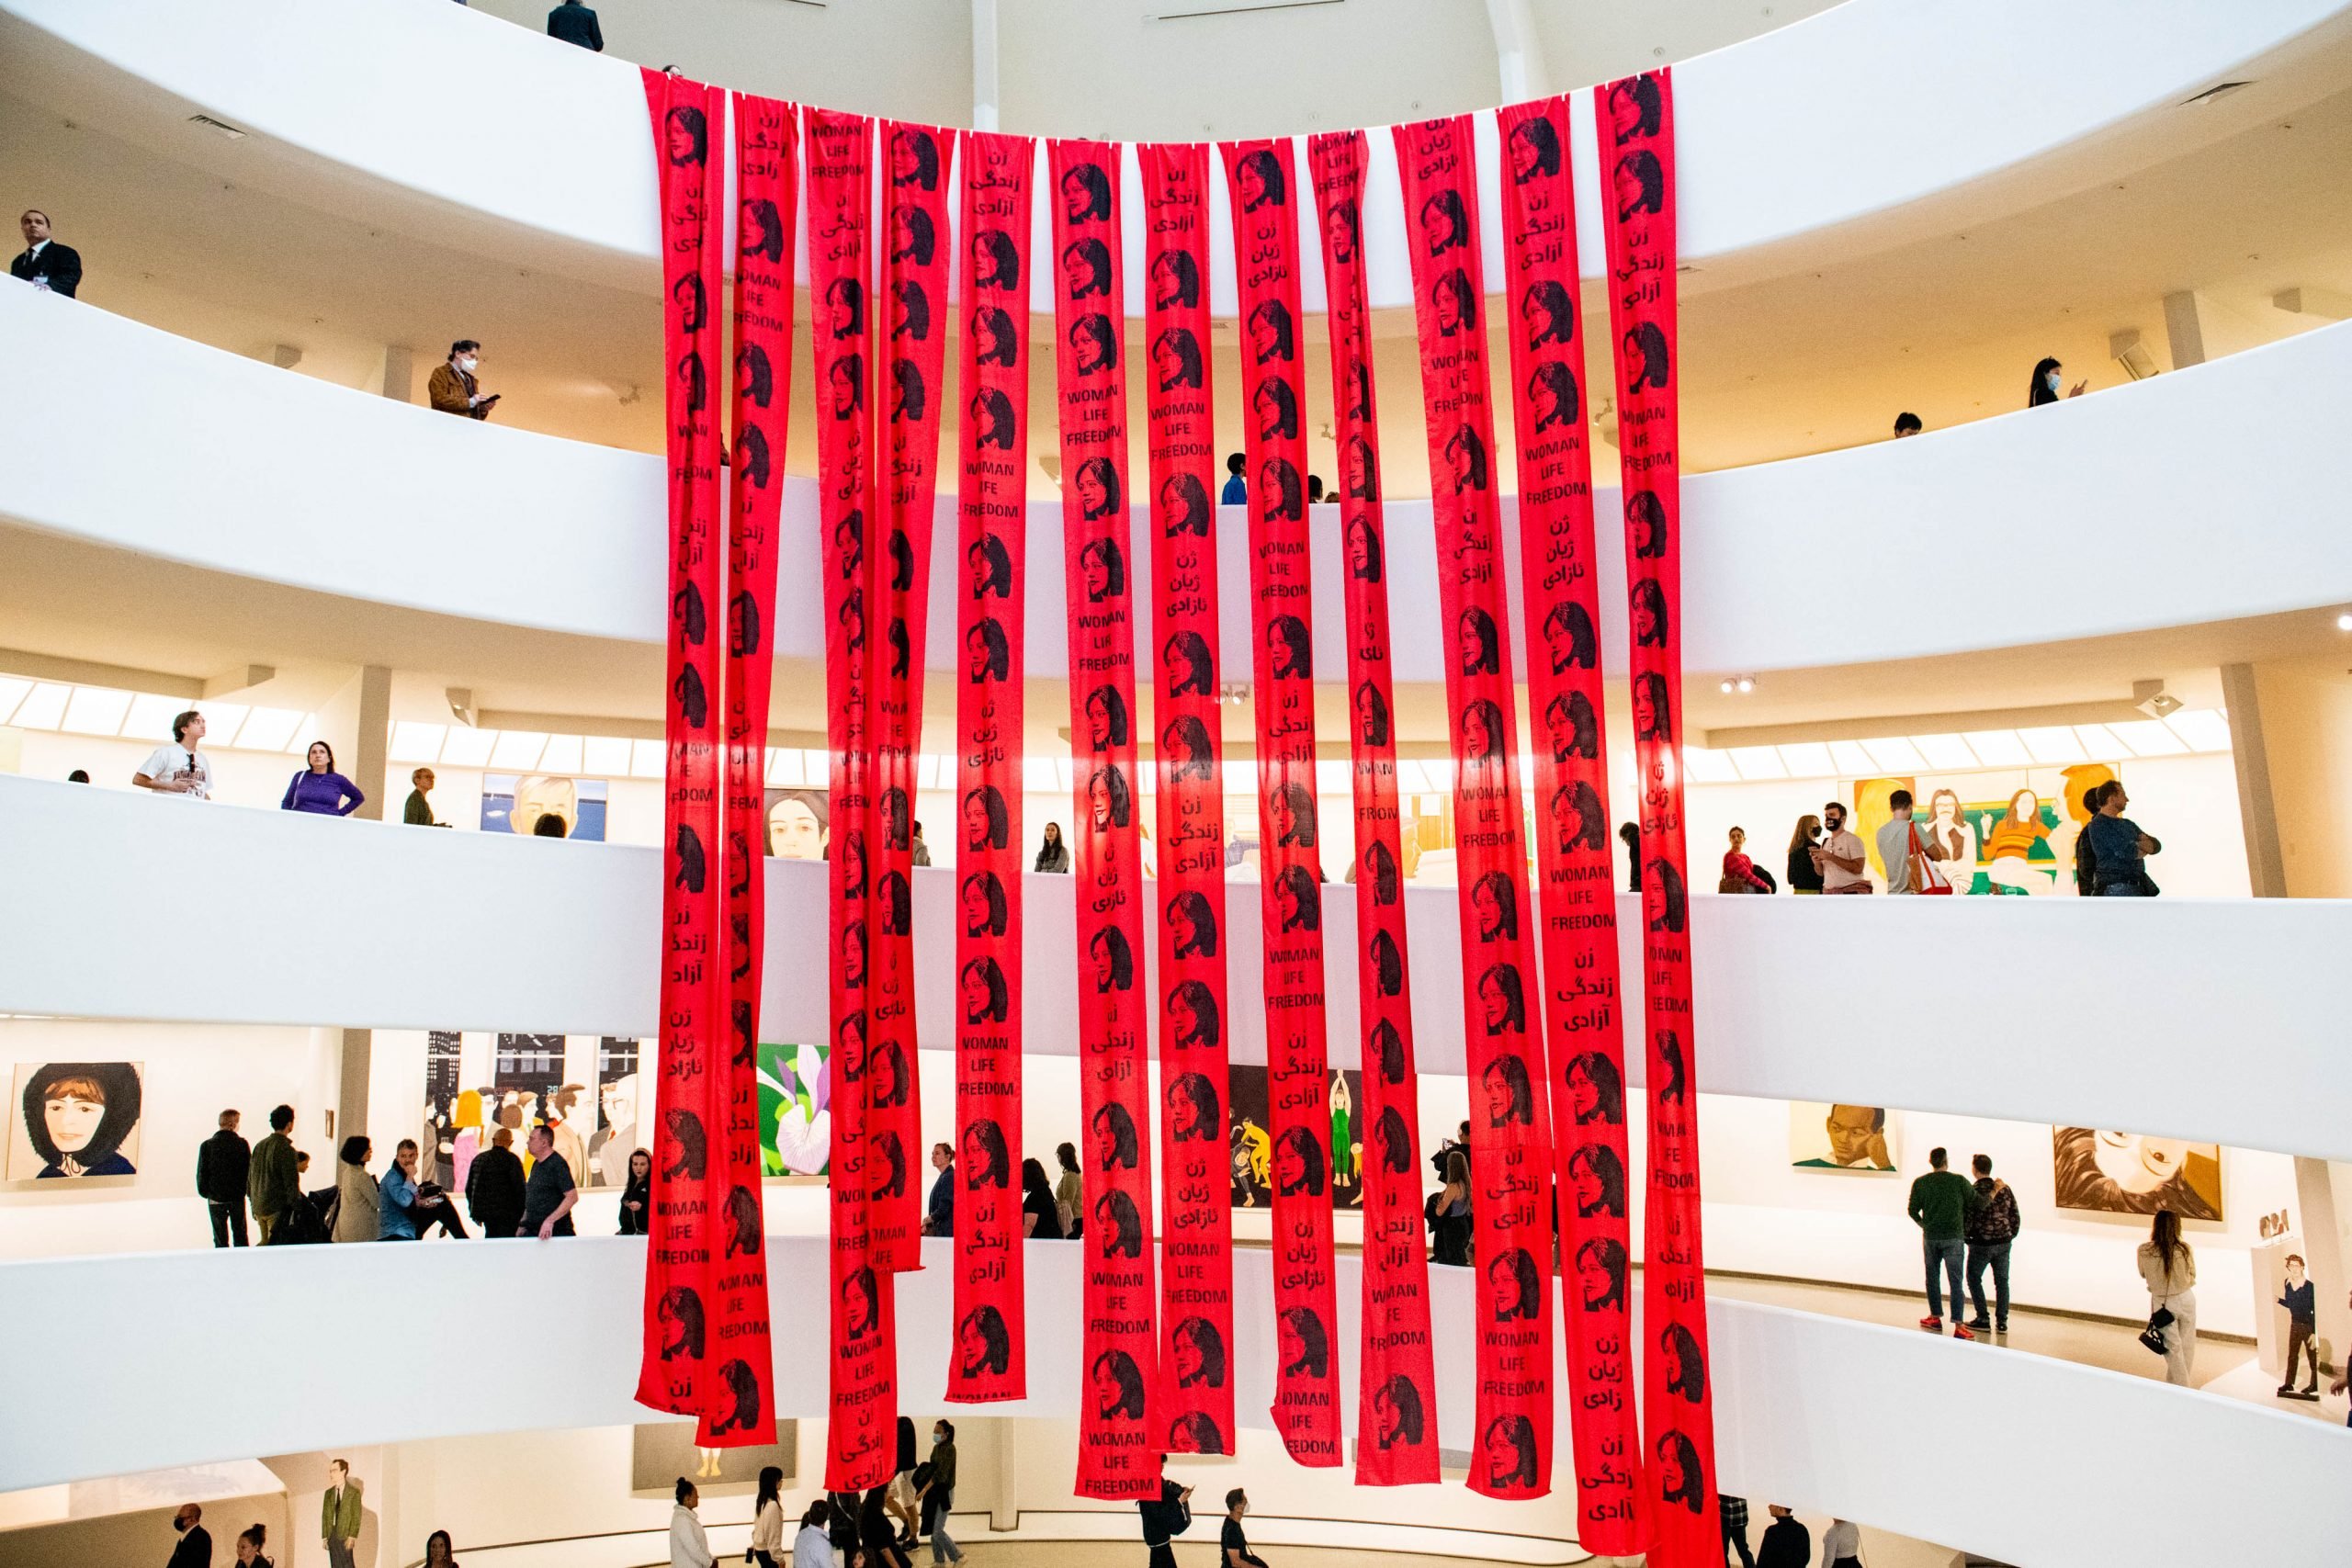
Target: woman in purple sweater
{"points": [[320, 789]]}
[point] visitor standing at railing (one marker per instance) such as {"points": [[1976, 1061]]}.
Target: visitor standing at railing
{"points": [[1804, 866], [319, 789], [179, 768], [575, 23], [1839, 854], [49, 267]]}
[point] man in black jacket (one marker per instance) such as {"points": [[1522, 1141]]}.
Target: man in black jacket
{"points": [[1786, 1543], [494, 1187], [194, 1547], [46, 264], [575, 23], [221, 1162]]}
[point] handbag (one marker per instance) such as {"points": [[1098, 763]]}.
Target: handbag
{"points": [[1930, 878], [2152, 1337]]}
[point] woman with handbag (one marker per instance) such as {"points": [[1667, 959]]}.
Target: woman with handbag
{"points": [[1740, 875], [767, 1521], [2170, 1269]]}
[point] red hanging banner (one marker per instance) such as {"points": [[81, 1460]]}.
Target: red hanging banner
{"points": [[910, 357], [1637, 135], [1259, 181], [742, 1408], [689, 129], [1584, 1048], [863, 1430], [1511, 1149], [1397, 1398], [1117, 1447], [990, 1360], [1196, 1191]]}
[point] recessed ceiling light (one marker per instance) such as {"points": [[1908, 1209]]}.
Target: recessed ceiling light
{"points": [[1747, 684], [2344, 621], [1726, 688]]}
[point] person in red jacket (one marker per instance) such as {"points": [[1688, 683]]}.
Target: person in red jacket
{"points": [[1740, 875]]}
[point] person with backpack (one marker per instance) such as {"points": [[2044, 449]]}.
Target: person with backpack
{"points": [[1164, 1518], [1992, 1226]]}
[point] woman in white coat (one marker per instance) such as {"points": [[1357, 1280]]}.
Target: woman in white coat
{"points": [[2169, 1267], [689, 1548]]}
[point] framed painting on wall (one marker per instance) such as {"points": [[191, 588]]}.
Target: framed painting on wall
{"points": [[75, 1120], [1843, 1137], [2106, 1172]]}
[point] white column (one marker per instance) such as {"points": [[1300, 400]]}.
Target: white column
{"points": [[984, 71], [1519, 63]]}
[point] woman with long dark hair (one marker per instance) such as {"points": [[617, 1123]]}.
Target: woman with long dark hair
{"points": [[2169, 1266], [1040, 1220], [637, 1198], [1451, 1214], [1069, 1191], [1052, 854], [767, 1519], [2048, 377], [319, 789]]}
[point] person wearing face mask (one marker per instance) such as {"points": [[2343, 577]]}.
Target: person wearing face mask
{"points": [[939, 1494], [453, 389], [1839, 854], [2048, 377]]}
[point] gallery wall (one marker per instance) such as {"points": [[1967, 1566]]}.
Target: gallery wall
{"points": [[1765, 1217]]}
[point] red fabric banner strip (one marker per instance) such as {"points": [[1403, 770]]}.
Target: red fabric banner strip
{"points": [[1396, 1401], [1265, 200], [1583, 1041], [990, 1360], [1196, 1192], [1118, 1446], [742, 1408], [1511, 1158], [689, 131], [910, 335], [863, 1431], [1637, 134]]}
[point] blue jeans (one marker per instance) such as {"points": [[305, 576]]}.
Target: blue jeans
{"points": [[1994, 1254], [1947, 1254]]}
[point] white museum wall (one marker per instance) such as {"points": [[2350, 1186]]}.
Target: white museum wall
{"points": [[193, 1072]]}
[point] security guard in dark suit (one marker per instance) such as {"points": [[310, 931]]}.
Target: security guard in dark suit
{"points": [[46, 264]]}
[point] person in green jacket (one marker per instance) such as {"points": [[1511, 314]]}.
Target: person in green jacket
{"points": [[339, 1515], [1941, 1201], [272, 1184]]}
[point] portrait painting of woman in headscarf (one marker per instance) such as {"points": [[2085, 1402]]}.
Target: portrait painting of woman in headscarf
{"points": [[75, 1119]]}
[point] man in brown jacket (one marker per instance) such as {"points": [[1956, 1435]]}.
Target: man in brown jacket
{"points": [[453, 389]]}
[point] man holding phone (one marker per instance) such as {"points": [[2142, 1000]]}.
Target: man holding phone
{"points": [[1839, 856], [453, 389]]}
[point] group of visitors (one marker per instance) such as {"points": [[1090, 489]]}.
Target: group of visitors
{"points": [[1049, 1211], [877, 1529], [1787, 1543], [1962, 1220], [1940, 855], [503, 1196]]}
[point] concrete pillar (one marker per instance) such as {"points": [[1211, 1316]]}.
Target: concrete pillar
{"points": [[352, 1066], [2185, 325], [1519, 63], [356, 722], [986, 95], [1004, 1507], [2266, 867], [400, 374]]}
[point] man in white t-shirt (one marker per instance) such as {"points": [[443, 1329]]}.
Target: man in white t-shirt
{"points": [[1839, 854], [179, 768]]}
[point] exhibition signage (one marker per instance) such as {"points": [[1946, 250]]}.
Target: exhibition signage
{"points": [[1583, 1044], [1396, 1382], [1511, 1159], [767, 181], [688, 123], [1266, 203], [910, 357], [862, 1428], [989, 1359], [1117, 1448], [1196, 1363], [1637, 135]]}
